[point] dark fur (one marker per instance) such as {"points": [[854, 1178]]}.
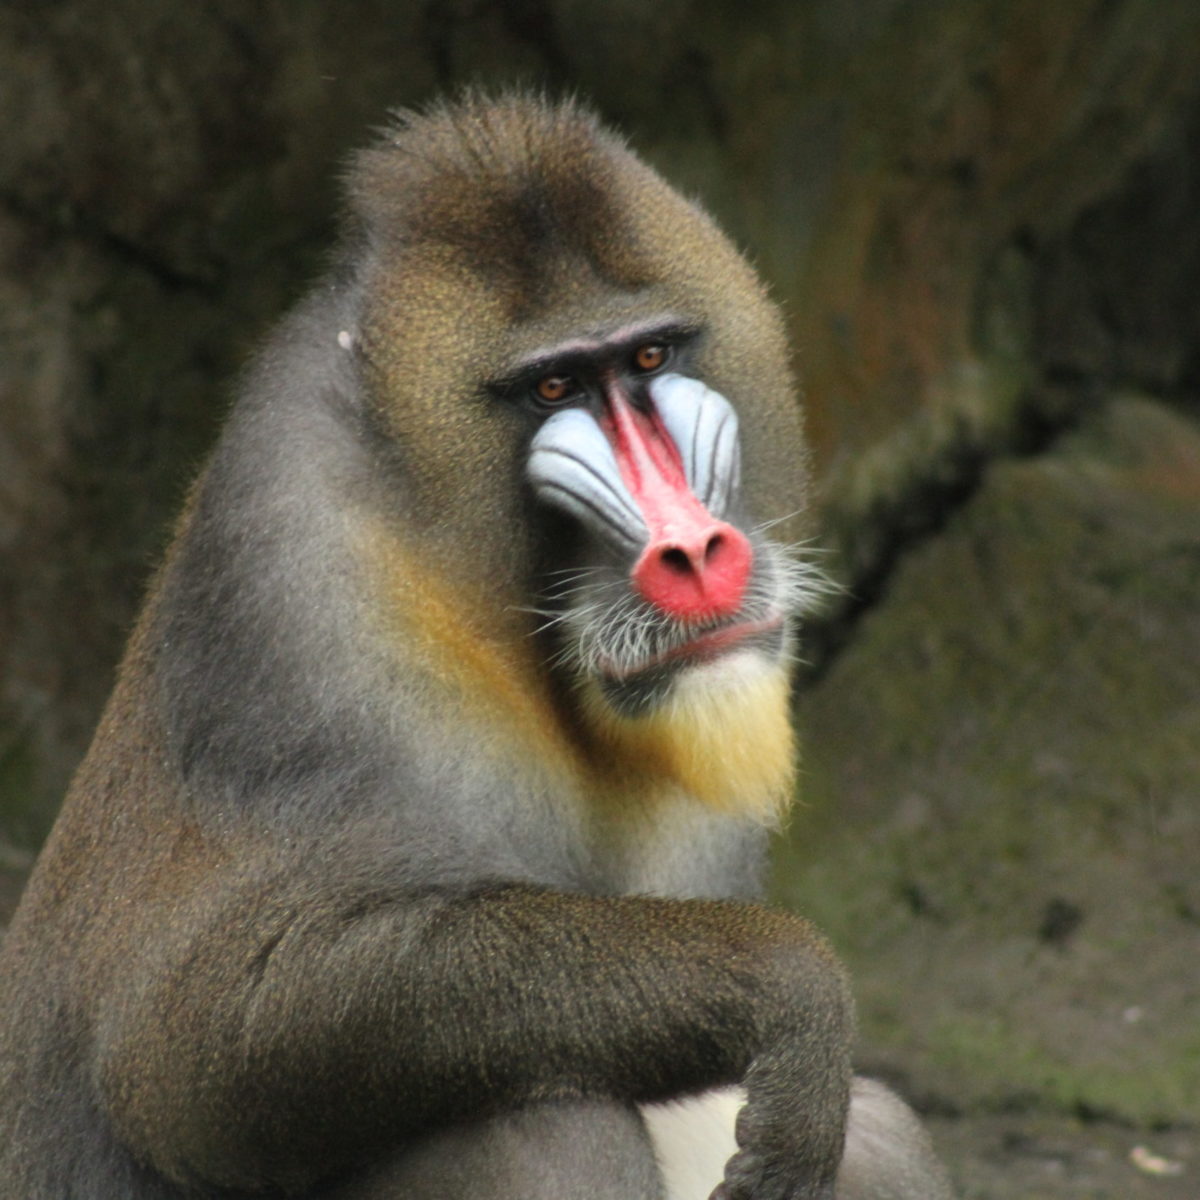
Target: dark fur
{"points": [[306, 926]]}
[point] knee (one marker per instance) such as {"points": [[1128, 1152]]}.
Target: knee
{"points": [[888, 1153], [570, 1151]]}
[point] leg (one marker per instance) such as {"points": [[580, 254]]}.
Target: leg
{"points": [[583, 1151], [888, 1153]]}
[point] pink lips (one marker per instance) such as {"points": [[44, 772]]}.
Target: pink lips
{"points": [[708, 645]]}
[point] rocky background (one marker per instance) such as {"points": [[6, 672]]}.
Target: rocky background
{"points": [[983, 220]]}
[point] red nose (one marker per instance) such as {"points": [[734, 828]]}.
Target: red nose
{"points": [[693, 566], [697, 572]]}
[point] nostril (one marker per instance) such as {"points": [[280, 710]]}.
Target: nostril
{"points": [[695, 573], [676, 560]]}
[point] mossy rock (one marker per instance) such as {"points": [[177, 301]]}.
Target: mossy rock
{"points": [[1001, 827]]}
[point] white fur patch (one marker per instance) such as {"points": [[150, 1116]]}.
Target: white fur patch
{"points": [[738, 669], [693, 1139], [888, 1153]]}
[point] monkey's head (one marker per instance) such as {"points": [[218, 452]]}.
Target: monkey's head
{"points": [[608, 382]]}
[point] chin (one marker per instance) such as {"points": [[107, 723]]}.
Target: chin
{"points": [[715, 728], [721, 661]]}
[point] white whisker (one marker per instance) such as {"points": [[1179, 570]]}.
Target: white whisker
{"points": [[777, 521]]}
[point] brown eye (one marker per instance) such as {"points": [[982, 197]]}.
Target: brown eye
{"points": [[553, 389], [650, 357]]}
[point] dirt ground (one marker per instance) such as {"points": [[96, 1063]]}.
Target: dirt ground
{"points": [[1039, 1157], [1019, 1156]]}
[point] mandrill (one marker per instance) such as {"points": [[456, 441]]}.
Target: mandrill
{"points": [[418, 852]]}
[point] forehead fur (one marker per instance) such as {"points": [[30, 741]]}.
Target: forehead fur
{"points": [[502, 182], [489, 229]]}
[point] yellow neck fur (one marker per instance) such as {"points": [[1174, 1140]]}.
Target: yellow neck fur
{"points": [[724, 737]]}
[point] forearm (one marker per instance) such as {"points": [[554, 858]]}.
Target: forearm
{"points": [[427, 1008]]}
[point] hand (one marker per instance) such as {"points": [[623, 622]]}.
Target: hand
{"points": [[791, 1131]]}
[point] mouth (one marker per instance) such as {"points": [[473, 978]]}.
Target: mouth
{"points": [[709, 645]]}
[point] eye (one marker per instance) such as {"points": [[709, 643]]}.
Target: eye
{"points": [[650, 357], [554, 389]]}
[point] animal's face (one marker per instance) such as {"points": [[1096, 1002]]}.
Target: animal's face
{"points": [[645, 459], [613, 386]]}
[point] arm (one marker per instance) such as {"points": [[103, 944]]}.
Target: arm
{"points": [[228, 1052]]}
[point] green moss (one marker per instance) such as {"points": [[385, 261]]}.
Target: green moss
{"points": [[1020, 1066], [24, 822], [999, 830]]}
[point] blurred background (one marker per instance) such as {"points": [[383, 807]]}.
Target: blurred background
{"points": [[983, 221]]}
